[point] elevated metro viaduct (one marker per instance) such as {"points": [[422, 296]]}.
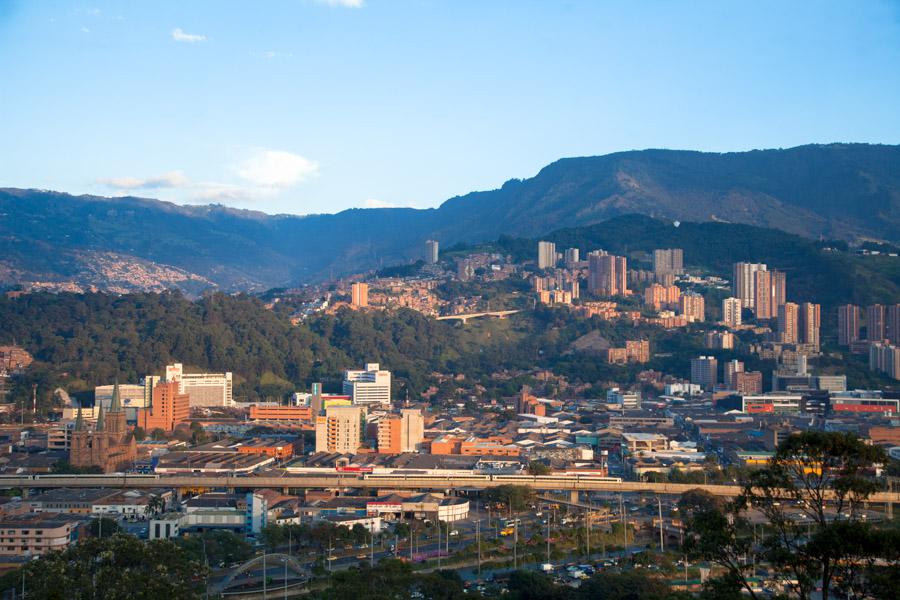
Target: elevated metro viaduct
{"points": [[572, 485]]}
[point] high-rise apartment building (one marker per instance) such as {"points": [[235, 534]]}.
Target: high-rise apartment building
{"points": [[730, 371], [810, 324], [401, 433], [659, 296], [779, 289], [731, 312], [744, 282], [769, 289], [668, 261], [762, 295], [431, 252], [546, 255], [572, 258], [168, 408], [359, 294], [705, 371], [369, 386], [718, 340], [885, 358], [788, 325], [892, 323], [339, 430], [875, 323], [848, 324], [693, 306], [204, 389], [607, 274]]}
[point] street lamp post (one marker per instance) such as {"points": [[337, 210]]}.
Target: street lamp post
{"points": [[661, 545]]}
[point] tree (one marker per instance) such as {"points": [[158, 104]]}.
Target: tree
{"points": [[218, 547], [827, 476], [104, 527], [631, 585], [537, 468], [119, 567], [529, 585], [516, 497], [139, 434]]}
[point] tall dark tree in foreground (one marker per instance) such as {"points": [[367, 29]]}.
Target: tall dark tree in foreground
{"points": [[825, 477]]}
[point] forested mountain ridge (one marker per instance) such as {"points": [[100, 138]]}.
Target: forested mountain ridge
{"points": [[840, 191]]}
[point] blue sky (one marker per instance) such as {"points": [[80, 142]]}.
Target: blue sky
{"points": [[305, 106]]}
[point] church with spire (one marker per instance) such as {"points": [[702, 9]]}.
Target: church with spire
{"points": [[109, 444]]}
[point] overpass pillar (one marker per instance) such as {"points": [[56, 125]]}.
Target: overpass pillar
{"points": [[573, 496]]}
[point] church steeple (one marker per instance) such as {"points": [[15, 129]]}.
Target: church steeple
{"points": [[79, 420], [99, 417], [116, 404]]}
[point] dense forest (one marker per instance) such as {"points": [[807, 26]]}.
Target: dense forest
{"points": [[79, 341]]}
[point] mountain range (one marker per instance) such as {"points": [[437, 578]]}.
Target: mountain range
{"points": [[838, 191]]}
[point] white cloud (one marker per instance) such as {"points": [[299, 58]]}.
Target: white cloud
{"points": [[277, 169], [342, 3], [221, 192], [375, 203], [172, 179], [179, 35]]}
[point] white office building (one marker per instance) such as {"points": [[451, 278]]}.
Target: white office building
{"points": [[203, 389], [369, 386]]}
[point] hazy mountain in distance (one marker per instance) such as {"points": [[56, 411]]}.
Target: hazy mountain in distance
{"points": [[844, 191]]}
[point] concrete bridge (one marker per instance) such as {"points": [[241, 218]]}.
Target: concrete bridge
{"points": [[465, 317], [570, 484]]}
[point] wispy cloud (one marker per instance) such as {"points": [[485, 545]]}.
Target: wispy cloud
{"points": [[179, 35], [172, 179], [276, 168], [375, 203], [262, 173], [342, 3]]}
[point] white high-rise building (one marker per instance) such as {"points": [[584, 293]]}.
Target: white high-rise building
{"points": [[572, 257], [203, 389], [744, 282], [546, 255], [731, 312], [370, 386], [431, 252]]}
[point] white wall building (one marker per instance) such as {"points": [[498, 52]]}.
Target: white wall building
{"points": [[204, 389], [369, 386]]}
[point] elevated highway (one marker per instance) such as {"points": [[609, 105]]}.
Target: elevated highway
{"points": [[398, 482]]}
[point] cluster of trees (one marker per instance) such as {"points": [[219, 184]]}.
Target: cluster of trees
{"points": [[317, 535], [827, 477], [116, 567], [80, 341]]}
